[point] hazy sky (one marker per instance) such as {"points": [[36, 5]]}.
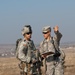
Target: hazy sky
{"points": [[14, 14]]}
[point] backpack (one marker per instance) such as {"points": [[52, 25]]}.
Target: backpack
{"points": [[18, 42]]}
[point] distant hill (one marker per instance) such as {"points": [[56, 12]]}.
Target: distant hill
{"points": [[8, 50], [67, 44]]}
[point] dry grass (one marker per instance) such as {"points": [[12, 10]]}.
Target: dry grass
{"points": [[9, 66], [70, 63]]}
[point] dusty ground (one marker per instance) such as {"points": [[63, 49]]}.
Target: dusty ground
{"points": [[70, 62], [9, 66]]}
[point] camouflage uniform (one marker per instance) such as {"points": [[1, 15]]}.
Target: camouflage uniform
{"points": [[27, 55], [47, 45], [54, 66]]}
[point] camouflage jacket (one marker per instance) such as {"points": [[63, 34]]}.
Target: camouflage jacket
{"points": [[48, 46], [25, 50]]}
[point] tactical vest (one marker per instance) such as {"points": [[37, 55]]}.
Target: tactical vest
{"points": [[30, 54], [28, 51]]}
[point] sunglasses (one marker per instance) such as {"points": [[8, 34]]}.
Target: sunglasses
{"points": [[45, 32], [29, 33]]}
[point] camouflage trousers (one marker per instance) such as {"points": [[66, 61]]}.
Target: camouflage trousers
{"points": [[25, 68], [28, 69], [54, 68], [50, 68], [43, 67], [59, 68]]}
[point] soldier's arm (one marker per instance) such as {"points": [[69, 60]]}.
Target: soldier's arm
{"points": [[58, 35], [21, 54]]}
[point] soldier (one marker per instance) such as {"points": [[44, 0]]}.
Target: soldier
{"points": [[26, 52], [52, 62]]}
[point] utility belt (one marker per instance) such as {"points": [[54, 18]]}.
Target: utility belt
{"points": [[50, 58]]}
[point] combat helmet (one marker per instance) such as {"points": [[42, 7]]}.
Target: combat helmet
{"points": [[26, 29]]}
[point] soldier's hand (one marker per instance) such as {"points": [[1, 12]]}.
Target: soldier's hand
{"points": [[56, 28], [44, 56]]}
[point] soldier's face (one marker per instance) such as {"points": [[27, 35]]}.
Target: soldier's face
{"points": [[28, 35], [46, 35]]}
